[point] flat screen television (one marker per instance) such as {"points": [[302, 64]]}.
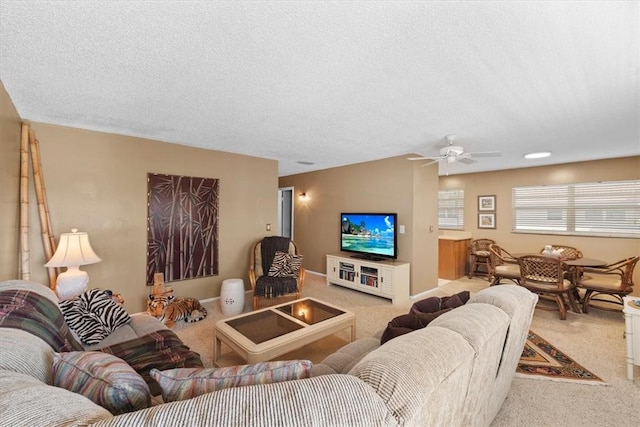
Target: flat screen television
{"points": [[372, 236]]}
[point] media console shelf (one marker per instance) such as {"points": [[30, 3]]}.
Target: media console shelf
{"points": [[387, 279]]}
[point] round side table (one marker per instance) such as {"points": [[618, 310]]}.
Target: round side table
{"points": [[232, 297]]}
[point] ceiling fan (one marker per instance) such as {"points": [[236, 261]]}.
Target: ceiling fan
{"points": [[455, 153]]}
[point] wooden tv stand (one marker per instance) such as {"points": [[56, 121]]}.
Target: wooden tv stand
{"points": [[388, 279]]}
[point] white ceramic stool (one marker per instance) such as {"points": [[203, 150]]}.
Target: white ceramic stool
{"points": [[232, 297]]}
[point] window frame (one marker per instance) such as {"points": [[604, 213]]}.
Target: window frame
{"points": [[595, 209], [458, 205]]}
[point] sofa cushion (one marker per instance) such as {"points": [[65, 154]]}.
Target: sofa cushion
{"points": [[103, 378], [345, 357], [185, 383], [420, 376], [485, 327], [519, 304], [93, 315], [26, 401]]}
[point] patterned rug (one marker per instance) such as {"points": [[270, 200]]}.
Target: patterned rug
{"points": [[541, 360]]}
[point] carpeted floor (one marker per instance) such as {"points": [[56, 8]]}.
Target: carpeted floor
{"points": [[595, 340]]}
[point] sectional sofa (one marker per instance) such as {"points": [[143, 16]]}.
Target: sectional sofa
{"points": [[455, 372]]}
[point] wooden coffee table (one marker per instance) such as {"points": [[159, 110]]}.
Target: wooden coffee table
{"points": [[273, 331]]}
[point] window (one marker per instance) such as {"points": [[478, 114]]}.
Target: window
{"points": [[451, 209], [587, 209]]}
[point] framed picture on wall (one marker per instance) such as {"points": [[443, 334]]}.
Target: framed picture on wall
{"points": [[487, 220], [486, 203]]}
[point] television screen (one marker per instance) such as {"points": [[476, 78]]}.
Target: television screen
{"points": [[369, 235]]}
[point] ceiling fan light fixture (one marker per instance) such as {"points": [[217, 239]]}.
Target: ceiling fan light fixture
{"points": [[537, 155], [454, 150]]}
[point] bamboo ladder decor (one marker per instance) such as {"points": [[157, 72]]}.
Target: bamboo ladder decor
{"points": [[25, 269], [29, 142]]}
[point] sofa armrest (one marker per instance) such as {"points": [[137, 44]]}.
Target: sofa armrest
{"points": [[27, 401]]}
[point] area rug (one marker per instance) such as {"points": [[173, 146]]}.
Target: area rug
{"points": [[541, 360]]}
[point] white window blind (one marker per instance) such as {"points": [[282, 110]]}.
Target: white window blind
{"points": [[588, 209], [451, 209]]}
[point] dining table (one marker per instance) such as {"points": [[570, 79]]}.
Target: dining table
{"points": [[585, 262]]}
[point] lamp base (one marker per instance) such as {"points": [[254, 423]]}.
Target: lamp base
{"points": [[71, 283]]}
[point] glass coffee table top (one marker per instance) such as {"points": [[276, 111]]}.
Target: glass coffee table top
{"points": [[263, 326], [310, 311], [268, 324]]}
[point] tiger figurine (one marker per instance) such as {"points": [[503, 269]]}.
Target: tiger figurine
{"points": [[170, 309]]}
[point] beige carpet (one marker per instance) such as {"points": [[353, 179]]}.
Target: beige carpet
{"points": [[594, 340]]}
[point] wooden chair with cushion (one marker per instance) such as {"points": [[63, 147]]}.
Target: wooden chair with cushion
{"points": [[613, 280], [502, 266], [545, 276], [275, 271], [479, 256], [567, 252]]}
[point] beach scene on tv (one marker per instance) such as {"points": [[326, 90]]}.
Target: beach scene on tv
{"points": [[368, 233]]}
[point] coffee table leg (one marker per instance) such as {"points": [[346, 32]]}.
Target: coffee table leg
{"points": [[217, 345], [353, 331]]}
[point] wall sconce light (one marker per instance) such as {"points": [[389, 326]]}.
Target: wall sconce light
{"points": [[73, 251], [303, 196]]}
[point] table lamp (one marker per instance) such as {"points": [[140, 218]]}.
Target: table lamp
{"points": [[73, 251]]}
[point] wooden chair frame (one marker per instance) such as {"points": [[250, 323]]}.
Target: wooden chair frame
{"points": [[615, 280], [503, 266], [545, 276], [478, 259], [568, 252], [254, 270]]}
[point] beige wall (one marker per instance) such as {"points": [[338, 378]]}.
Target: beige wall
{"points": [[97, 182], [10, 125], [500, 183], [389, 185]]}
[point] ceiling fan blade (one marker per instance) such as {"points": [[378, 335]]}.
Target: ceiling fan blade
{"points": [[423, 158], [466, 160], [485, 154], [430, 163]]}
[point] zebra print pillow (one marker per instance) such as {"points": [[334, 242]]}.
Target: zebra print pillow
{"points": [[285, 265], [93, 315]]}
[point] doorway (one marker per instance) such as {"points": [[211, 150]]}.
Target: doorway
{"points": [[285, 212]]}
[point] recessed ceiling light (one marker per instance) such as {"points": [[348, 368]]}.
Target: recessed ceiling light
{"points": [[538, 155]]}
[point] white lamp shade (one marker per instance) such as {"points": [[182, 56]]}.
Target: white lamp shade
{"points": [[73, 250]]}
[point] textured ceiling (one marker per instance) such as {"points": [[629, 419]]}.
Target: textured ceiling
{"points": [[335, 83]]}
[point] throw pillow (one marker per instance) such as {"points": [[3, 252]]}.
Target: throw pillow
{"points": [[103, 378], [427, 305], [93, 315], [285, 265], [456, 300], [422, 313], [400, 325], [185, 383]]}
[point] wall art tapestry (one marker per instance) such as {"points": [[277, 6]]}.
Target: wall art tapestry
{"points": [[182, 227]]}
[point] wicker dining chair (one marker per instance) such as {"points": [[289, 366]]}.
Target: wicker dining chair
{"points": [[479, 257], [502, 266], [613, 280], [264, 283], [545, 276], [567, 252]]}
